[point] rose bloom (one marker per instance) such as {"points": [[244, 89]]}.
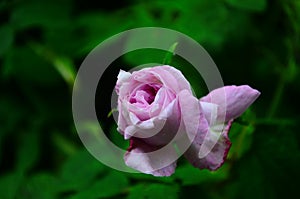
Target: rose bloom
{"points": [[155, 104]]}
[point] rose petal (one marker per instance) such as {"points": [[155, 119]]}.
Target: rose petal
{"points": [[214, 156], [122, 77], [232, 101], [166, 123], [170, 78], [190, 120], [210, 112], [157, 130], [180, 79], [139, 157], [190, 113]]}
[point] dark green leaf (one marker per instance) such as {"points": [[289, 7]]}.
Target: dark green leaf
{"points": [[170, 54], [189, 175], [28, 151], [9, 185], [150, 178], [47, 14], [63, 65], [241, 138], [20, 63], [112, 184], [154, 191], [41, 185], [98, 27], [118, 139], [6, 38], [80, 170], [251, 5]]}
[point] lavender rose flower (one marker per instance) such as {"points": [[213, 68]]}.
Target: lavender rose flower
{"points": [[152, 104]]}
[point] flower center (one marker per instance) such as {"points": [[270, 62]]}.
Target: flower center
{"points": [[145, 94]]}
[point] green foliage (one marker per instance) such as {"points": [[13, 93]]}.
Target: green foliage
{"points": [[192, 176], [20, 62], [28, 151], [80, 170], [251, 5], [41, 185], [43, 43], [9, 185], [110, 185], [47, 14], [154, 191], [7, 38], [169, 55]]}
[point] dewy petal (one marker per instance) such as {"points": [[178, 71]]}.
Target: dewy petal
{"points": [[232, 101], [139, 158], [206, 137]]}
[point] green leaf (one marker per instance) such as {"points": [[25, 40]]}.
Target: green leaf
{"points": [[63, 65], [79, 170], [241, 137], [189, 175], [150, 178], [251, 5], [211, 23], [6, 38], [41, 185], [94, 26], [117, 138], [28, 151], [147, 55], [251, 184], [47, 14], [25, 65], [110, 185], [170, 54], [153, 191], [9, 185]]}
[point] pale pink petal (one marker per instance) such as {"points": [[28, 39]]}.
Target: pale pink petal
{"points": [[122, 78], [210, 112], [232, 101], [190, 113], [168, 81], [208, 136], [140, 156], [158, 130], [167, 123], [169, 77], [144, 129], [180, 79], [122, 123]]}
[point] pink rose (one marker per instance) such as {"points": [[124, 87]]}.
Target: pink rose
{"points": [[153, 102]]}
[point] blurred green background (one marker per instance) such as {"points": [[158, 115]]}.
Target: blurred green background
{"points": [[43, 43]]}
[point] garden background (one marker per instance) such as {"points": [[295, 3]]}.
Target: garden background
{"points": [[42, 45]]}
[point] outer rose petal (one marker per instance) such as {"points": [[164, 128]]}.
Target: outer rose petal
{"points": [[211, 144], [183, 84], [138, 158], [216, 157], [190, 113], [122, 77], [232, 101]]}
